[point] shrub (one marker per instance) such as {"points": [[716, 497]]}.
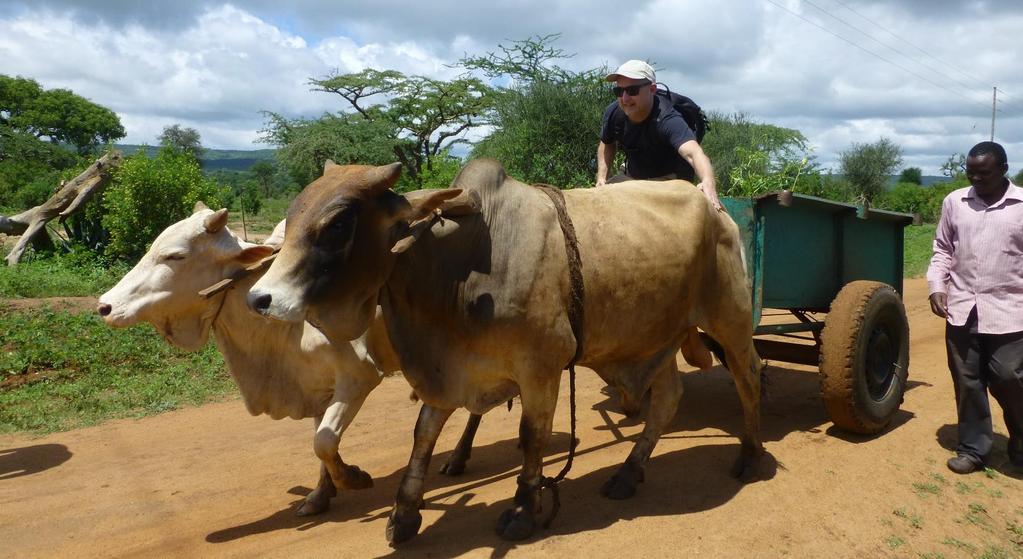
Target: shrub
{"points": [[147, 195]]}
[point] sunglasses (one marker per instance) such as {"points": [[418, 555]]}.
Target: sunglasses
{"points": [[632, 90]]}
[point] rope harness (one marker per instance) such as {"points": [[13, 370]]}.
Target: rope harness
{"points": [[575, 320]]}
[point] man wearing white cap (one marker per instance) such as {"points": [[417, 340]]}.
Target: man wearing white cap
{"points": [[658, 143]]}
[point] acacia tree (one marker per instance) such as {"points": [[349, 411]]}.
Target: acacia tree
{"points": [[304, 145], [912, 175], [868, 167], [183, 139], [36, 125], [546, 121], [425, 116], [56, 115]]}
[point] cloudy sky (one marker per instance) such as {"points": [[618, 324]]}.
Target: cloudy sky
{"points": [[920, 72]]}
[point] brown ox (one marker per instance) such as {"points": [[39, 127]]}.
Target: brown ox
{"points": [[282, 370], [476, 304]]}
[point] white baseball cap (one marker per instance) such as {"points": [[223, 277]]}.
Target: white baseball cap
{"points": [[635, 69]]}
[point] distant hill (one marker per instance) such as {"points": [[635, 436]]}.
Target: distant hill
{"points": [[213, 159]]}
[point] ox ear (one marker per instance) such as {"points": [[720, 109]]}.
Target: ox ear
{"points": [[384, 178], [216, 221], [253, 254], [199, 206], [329, 164], [422, 206]]}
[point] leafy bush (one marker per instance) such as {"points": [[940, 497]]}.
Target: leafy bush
{"points": [[75, 274], [146, 195]]}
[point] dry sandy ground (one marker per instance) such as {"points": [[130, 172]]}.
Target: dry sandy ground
{"points": [[212, 481]]}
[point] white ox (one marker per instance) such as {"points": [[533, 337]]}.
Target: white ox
{"points": [[282, 369], [477, 303]]}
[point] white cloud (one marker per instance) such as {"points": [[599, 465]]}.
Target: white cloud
{"points": [[214, 66]]}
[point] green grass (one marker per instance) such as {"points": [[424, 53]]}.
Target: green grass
{"points": [[918, 243], [70, 275], [61, 371]]}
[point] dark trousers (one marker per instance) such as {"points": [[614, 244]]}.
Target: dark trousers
{"points": [[982, 362]]}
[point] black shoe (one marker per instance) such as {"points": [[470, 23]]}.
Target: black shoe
{"points": [[963, 464]]}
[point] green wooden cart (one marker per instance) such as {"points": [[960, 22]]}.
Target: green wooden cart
{"points": [[808, 256]]}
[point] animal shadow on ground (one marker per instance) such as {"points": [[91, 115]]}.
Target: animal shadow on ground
{"points": [[948, 437], [17, 462], [489, 463], [678, 482]]}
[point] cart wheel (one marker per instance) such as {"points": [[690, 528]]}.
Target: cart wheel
{"points": [[864, 356]]}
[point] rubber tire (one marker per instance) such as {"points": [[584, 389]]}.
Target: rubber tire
{"points": [[861, 309]]}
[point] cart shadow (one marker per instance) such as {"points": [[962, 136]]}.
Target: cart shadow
{"points": [[947, 436], [791, 403], [28, 460]]}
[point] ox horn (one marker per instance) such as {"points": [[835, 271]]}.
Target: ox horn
{"points": [[216, 221], [383, 178]]}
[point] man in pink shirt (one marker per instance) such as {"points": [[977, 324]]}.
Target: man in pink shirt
{"points": [[976, 283]]}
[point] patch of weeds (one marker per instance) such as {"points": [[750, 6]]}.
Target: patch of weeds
{"points": [[978, 516], [932, 555], [887, 523], [69, 275], [995, 493], [994, 552], [914, 520], [990, 473], [61, 370], [1017, 532], [960, 545], [924, 489], [963, 488], [939, 478], [830, 472], [931, 461], [894, 542]]}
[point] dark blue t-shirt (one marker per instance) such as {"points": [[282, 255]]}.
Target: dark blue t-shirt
{"points": [[651, 147]]}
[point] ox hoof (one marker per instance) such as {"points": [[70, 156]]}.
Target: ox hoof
{"points": [[515, 525], [453, 467], [403, 527], [747, 467], [315, 503], [354, 478], [623, 484]]}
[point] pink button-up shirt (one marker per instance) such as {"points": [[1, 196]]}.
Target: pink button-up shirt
{"points": [[978, 260]]}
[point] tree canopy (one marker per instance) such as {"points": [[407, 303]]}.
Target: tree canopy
{"points": [[868, 167], [56, 115], [183, 139], [546, 121]]}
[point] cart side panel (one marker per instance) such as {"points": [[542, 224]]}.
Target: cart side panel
{"points": [[872, 250], [800, 256], [742, 211]]}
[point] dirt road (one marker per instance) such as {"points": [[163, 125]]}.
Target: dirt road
{"points": [[213, 481]]}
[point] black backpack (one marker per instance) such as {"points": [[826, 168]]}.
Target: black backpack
{"points": [[690, 111]]}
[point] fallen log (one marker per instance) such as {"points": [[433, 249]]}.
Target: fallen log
{"points": [[71, 196]]}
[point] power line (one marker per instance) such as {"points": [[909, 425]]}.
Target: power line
{"points": [[875, 55], [938, 71], [893, 34]]}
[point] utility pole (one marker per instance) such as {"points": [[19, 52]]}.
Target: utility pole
{"points": [[994, 103]]}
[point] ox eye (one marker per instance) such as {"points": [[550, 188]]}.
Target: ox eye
{"points": [[172, 256], [337, 235]]}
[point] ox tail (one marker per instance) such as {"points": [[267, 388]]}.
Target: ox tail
{"points": [[694, 351]]}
